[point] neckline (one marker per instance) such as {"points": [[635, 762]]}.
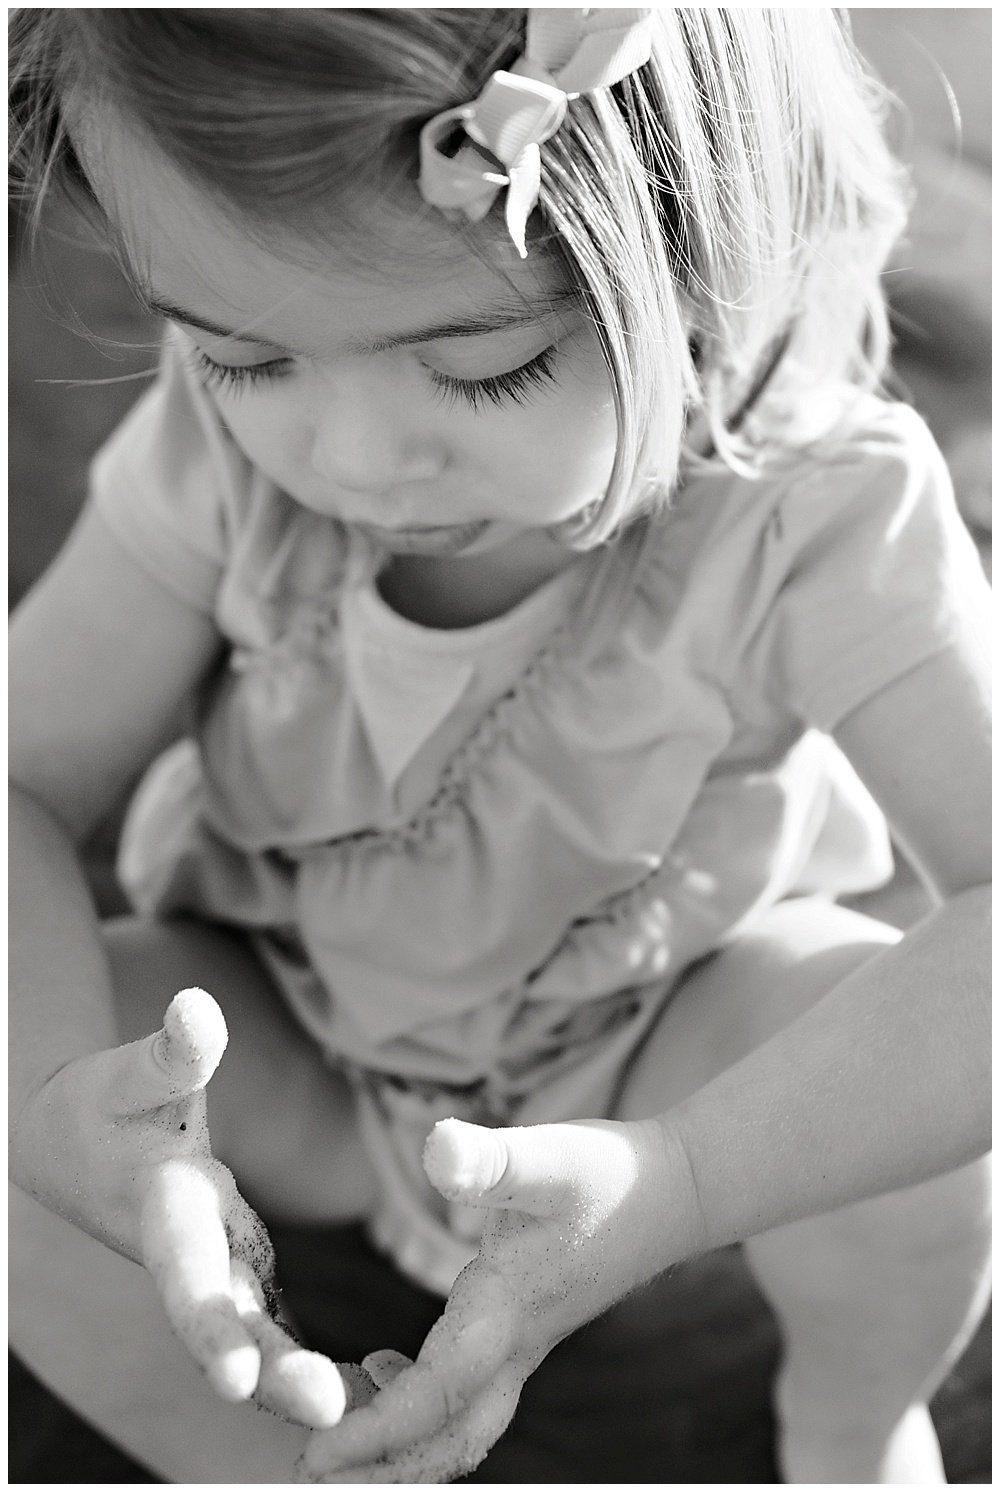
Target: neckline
{"points": [[552, 601]]}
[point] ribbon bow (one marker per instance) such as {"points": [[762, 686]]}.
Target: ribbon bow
{"points": [[567, 52]]}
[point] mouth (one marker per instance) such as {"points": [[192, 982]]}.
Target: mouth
{"points": [[441, 539]]}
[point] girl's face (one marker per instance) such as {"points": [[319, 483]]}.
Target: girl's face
{"points": [[453, 402]]}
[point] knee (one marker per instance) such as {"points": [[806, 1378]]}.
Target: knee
{"points": [[812, 939], [743, 995], [928, 1243], [947, 1215], [799, 952]]}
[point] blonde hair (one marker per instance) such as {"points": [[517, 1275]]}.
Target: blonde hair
{"points": [[724, 213]]}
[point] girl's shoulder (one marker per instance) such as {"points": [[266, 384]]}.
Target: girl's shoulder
{"points": [[872, 432], [874, 482], [728, 540], [838, 565], [862, 433], [876, 456]]}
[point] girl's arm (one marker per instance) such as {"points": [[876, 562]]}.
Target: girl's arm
{"points": [[884, 1082], [100, 659], [113, 1138]]}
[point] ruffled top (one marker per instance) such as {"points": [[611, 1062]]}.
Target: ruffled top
{"points": [[473, 855]]}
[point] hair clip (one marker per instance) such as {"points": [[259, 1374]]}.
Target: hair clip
{"points": [[567, 52]]}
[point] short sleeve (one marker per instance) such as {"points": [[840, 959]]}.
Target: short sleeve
{"points": [[881, 572], [168, 483]]}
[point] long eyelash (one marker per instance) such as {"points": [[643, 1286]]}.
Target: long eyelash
{"points": [[236, 379], [502, 388]]}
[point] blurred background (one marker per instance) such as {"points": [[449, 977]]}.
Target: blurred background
{"points": [[81, 352]]}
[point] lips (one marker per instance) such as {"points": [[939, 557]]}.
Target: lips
{"points": [[448, 538]]}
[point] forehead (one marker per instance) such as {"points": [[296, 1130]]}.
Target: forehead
{"points": [[380, 270]]}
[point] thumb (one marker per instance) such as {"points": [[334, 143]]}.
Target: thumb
{"points": [[385, 1365], [532, 1168], [174, 1062]]}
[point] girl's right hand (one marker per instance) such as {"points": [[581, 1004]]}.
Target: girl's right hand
{"points": [[118, 1144]]}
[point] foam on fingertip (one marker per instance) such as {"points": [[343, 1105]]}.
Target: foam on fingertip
{"points": [[194, 1036], [235, 1373], [462, 1160], [306, 1386]]}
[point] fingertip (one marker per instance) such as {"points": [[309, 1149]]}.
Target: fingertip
{"points": [[193, 1015], [463, 1160], [235, 1373], [193, 1038], [385, 1365], [305, 1386]]}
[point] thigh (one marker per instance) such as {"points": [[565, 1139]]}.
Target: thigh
{"points": [[738, 998], [279, 1116], [91, 1326]]}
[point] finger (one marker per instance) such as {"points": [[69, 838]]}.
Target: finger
{"points": [[359, 1383], [529, 1168], [453, 1452], [248, 1238], [389, 1424], [185, 1250], [302, 1386], [172, 1063], [541, 1169], [466, 1350], [384, 1366]]}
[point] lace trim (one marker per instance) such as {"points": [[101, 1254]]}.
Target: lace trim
{"points": [[614, 911], [496, 723]]}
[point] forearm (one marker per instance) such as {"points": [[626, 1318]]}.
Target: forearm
{"points": [[883, 1083], [60, 990]]}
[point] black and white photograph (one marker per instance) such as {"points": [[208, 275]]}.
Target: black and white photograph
{"points": [[500, 745]]}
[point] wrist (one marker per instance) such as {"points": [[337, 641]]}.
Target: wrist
{"points": [[671, 1190], [34, 1135], [48, 1156]]}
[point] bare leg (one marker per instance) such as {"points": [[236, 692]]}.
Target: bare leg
{"points": [[874, 1300], [273, 1099], [88, 1322]]}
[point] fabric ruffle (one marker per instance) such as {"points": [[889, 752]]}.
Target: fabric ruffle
{"points": [[489, 913], [588, 836]]}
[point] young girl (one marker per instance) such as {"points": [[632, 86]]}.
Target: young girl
{"points": [[514, 504]]}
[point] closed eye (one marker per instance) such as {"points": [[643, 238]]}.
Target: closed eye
{"points": [[241, 376], [513, 387]]}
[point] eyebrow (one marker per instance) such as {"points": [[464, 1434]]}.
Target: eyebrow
{"points": [[500, 318]]}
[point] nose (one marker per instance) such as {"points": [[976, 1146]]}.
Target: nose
{"points": [[369, 441]]}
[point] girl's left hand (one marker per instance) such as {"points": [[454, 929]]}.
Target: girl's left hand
{"points": [[580, 1214]]}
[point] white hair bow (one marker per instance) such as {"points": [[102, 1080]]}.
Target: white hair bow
{"points": [[567, 52]]}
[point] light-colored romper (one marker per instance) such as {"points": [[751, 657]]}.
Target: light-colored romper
{"points": [[477, 861]]}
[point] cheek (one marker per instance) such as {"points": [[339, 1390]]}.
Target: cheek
{"points": [[563, 447], [560, 461], [591, 425], [276, 438], [580, 437]]}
